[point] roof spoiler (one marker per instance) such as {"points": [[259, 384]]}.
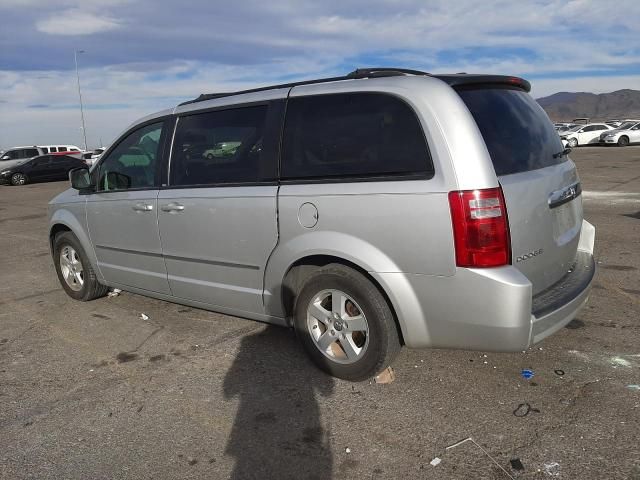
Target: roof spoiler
{"points": [[468, 79]]}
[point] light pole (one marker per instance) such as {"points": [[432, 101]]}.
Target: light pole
{"points": [[84, 131]]}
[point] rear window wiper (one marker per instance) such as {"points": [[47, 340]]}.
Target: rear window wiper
{"points": [[563, 153]]}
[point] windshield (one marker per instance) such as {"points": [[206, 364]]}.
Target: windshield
{"points": [[575, 129], [626, 125]]}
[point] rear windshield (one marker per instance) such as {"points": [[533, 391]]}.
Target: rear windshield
{"points": [[518, 134]]}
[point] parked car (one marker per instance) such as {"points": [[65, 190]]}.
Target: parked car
{"points": [[566, 128], [17, 155], [584, 134], [625, 134], [582, 121], [44, 167], [222, 150], [70, 150], [90, 156], [614, 123], [383, 208]]}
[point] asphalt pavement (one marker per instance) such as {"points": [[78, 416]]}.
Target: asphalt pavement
{"points": [[94, 391]]}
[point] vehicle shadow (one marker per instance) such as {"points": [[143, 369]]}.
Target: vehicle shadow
{"points": [[277, 432]]}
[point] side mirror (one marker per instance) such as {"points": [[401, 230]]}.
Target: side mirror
{"points": [[80, 179]]}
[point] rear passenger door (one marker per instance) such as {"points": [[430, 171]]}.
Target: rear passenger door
{"points": [[59, 165], [40, 168], [217, 216]]}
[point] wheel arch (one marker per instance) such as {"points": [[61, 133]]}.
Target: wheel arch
{"points": [[301, 268], [64, 221]]}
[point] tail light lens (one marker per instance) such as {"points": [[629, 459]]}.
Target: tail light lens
{"points": [[480, 228]]}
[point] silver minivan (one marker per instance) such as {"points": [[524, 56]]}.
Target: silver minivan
{"points": [[384, 208]]}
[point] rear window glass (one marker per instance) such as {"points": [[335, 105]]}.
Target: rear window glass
{"points": [[518, 134], [353, 135]]}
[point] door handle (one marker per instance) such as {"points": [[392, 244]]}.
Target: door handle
{"points": [[142, 207], [172, 207]]}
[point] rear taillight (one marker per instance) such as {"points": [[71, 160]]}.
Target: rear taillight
{"points": [[480, 228]]}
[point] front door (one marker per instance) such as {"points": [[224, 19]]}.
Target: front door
{"points": [[217, 219], [122, 215]]}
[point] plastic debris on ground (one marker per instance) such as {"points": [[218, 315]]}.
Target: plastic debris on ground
{"points": [[634, 387], [347, 450], [552, 469], [436, 461], [469, 439], [114, 293], [386, 376], [559, 372], [524, 409], [144, 316], [516, 464], [620, 362], [527, 373]]}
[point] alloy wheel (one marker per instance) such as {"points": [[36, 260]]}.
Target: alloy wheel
{"points": [[18, 179], [338, 326], [71, 268]]}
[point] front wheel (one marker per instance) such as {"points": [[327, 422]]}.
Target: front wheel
{"points": [[18, 179], [74, 270], [623, 141], [345, 323], [573, 142]]}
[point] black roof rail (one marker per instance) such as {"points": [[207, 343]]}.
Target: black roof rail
{"points": [[356, 74], [384, 72]]}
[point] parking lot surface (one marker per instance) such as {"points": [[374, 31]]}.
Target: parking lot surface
{"points": [[93, 391]]}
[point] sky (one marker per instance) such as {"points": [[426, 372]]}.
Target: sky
{"points": [[141, 56]]}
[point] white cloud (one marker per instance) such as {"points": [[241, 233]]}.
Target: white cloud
{"points": [[77, 22], [159, 55]]}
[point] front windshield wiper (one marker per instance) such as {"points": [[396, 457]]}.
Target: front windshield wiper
{"points": [[563, 153]]}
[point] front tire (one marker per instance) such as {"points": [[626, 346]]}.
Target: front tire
{"points": [[623, 141], [18, 179], [345, 323], [573, 142], [74, 270]]}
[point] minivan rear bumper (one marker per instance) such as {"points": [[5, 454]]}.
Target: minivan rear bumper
{"points": [[488, 309]]}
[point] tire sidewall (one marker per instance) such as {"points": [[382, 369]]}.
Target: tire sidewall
{"points": [[62, 240], [623, 141], [573, 142], [376, 312]]}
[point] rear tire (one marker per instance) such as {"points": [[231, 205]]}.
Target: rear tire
{"points": [[18, 179], [573, 142], [623, 141], [357, 336], [74, 270]]}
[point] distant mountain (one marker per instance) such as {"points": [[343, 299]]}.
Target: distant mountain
{"points": [[565, 106]]}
